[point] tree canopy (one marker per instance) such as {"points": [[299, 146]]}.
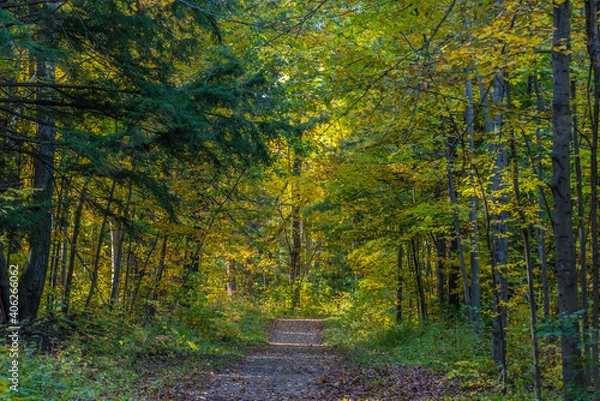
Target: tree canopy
{"points": [[381, 161]]}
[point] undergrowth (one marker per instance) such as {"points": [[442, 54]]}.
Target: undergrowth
{"points": [[450, 348], [109, 357]]}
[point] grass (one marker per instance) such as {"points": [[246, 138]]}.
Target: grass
{"points": [[110, 358], [449, 348], [434, 345]]}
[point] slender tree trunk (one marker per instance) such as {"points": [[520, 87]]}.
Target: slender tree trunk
{"points": [[428, 283], [128, 272], [94, 283], [296, 242], [593, 46], [419, 279], [582, 234], [399, 283], [64, 258], [73, 252], [499, 227], [33, 279], [525, 231], [453, 286], [118, 258], [161, 268], [231, 280], [496, 228], [58, 257], [461, 257], [473, 226], [142, 273], [117, 237], [541, 229], [572, 363], [54, 264], [440, 270]]}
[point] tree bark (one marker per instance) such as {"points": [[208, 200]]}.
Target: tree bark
{"points": [[94, 283], [499, 227], [572, 363], [33, 279], [399, 283], [453, 289], [116, 247], [582, 235], [440, 270], [161, 268], [142, 273], [541, 230], [473, 226], [593, 46], [58, 258], [118, 258], [73, 252], [525, 232], [296, 240], [419, 279], [461, 257], [231, 279]]}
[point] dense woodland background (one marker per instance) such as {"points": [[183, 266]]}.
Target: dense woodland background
{"points": [[424, 173]]}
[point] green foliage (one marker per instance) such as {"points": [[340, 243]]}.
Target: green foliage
{"points": [[444, 347], [16, 210], [356, 106], [236, 324], [451, 348], [108, 357], [559, 325]]}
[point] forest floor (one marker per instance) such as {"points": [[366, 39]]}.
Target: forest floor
{"points": [[296, 365]]}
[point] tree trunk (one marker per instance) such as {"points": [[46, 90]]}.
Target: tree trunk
{"points": [[572, 363], [419, 279], [499, 228], [473, 226], [525, 232], [73, 252], [440, 270], [461, 257], [142, 273], [453, 291], [127, 282], [161, 268], [541, 230], [117, 238], [54, 269], [58, 256], [593, 46], [94, 283], [33, 279], [582, 235], [118, 258], [296, 242], [231, 280], [399, 283]]}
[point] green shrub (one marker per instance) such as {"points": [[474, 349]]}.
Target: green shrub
{"points": [[109, 357]]}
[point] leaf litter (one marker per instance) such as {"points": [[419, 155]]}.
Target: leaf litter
{"points": [[296, 366]]}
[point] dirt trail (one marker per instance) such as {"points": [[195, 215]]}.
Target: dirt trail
{"points": [[294, 366]]}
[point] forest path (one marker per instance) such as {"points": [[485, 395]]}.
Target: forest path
{"points": [[294, 366], [297, 366]]}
